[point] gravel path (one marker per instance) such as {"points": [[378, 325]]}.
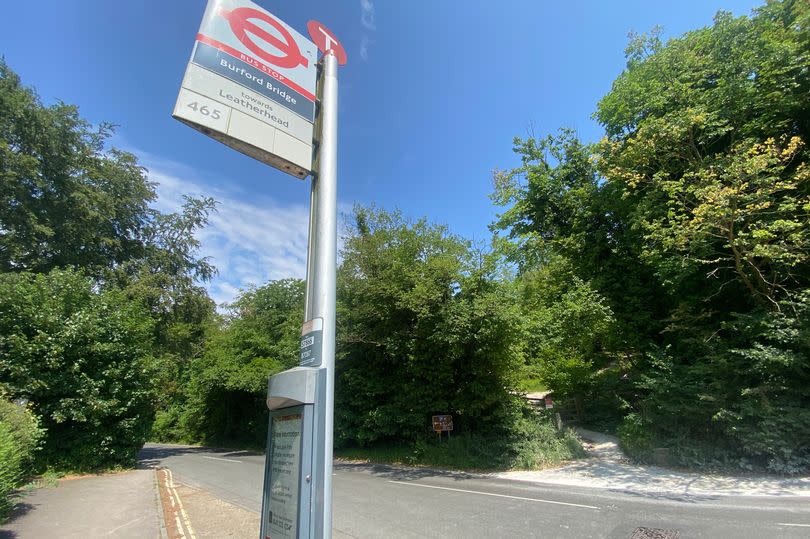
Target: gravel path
{"points": [[606, 467]]}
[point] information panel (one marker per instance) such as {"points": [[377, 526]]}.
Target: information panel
{"points": [[285, 466], [250, 84]]}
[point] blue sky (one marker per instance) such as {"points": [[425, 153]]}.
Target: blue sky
{"points": [[430, 100]]}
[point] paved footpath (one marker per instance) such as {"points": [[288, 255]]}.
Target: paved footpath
{"points": [[120, 505], [127, 505]]}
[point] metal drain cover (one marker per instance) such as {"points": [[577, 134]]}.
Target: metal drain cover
{"points": [[655, 533]]}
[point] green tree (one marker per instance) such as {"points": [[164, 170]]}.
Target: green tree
{"points": [[64, 201], [166, 281], [67, 200], [424, 328], [558, 209], [707, 136], [589, 307], [82, 359], [568, 326], [228, 385], [691, 220]]}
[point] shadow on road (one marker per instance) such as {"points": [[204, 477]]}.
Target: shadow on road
{"points": [[667, 496], [230, 453], [400, 473], [151, 454], [19, 510]]}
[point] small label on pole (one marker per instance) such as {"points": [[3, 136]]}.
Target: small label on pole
{"points": [[312, 343]]}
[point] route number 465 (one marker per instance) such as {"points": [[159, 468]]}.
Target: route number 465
{"points": [[204, 110]]}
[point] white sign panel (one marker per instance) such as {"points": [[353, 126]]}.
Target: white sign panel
{"points": [[251, 85], [282, 516]]}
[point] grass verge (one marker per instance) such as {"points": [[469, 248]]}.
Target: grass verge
{"points": [[535, 445]]}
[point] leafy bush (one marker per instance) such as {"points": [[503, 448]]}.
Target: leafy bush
{"points": [[19, 440], [530, 442], [25, 428], [70, 200], [635, 438], [167, 426], [533, 442], [10, 456], [80, 357], [745, 404]]}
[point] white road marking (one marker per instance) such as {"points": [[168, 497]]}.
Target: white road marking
{"points": [[218, 458], [792, 524], [494, 494]]}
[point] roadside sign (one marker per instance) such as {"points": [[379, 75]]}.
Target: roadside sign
{"points": [[442, 423], [250, 83], [326, 41]]}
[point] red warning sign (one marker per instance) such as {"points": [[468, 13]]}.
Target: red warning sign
{"points": [[326, 40]]}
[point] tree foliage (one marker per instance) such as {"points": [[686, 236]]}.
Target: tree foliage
{"points": [[560, 213], [228, 385], [707, 137], [689, 222], [63, 200], [743, 403], [568, 327], [424, 328], [82, 359], [76, 219]]}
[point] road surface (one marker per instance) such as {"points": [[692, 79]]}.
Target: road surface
{"points": [[385, 501]]}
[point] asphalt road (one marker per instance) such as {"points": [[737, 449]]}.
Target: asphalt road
{"points": [[385, 501]]}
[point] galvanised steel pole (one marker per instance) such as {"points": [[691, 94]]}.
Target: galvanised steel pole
{"points": [[322, 290], [313, 203]]}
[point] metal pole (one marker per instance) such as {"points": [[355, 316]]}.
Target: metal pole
{"points": [[313, 204], [324, 267]]}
